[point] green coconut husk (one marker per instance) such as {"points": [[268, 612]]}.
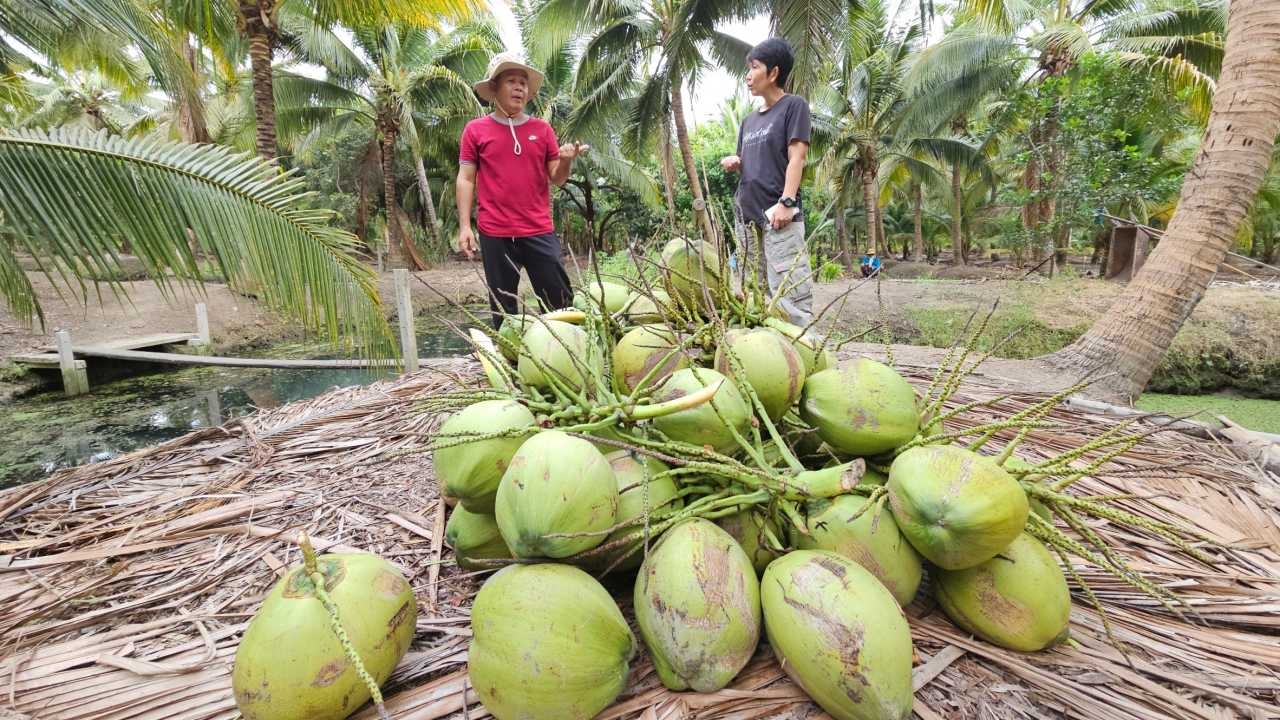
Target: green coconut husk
{"points": [[770, 365], [865, 532], [547, 641], [862, 408], [697, 603]]}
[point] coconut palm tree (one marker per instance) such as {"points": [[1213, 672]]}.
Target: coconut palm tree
{"points": [[1179, 42], [87, 196], [643, 53], [1217, 196], [400, 82], [860, 112]]}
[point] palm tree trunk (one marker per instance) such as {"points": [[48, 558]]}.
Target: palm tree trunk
{"points": [[668, 170], [842, 235], [428, 203], [960, 255], [190, 106], [701, 214], [396, 251], [871, 211], [1219, 192], [917, 239], [255, 23]]}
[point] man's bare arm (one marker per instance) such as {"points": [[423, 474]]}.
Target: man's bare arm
{"points": [[464, 197]]}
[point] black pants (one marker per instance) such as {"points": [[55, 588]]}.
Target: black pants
{"points": [[539, 255]]}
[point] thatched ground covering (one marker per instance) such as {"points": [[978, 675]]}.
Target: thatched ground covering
{"points": [[125, 586]]}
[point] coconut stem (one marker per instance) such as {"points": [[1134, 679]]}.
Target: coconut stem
{"points": [[312, 568]]}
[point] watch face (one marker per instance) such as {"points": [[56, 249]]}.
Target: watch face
{"points": [[788, 202]]}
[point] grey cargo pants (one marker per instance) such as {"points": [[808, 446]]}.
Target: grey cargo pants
{"points": [[783, 267]]}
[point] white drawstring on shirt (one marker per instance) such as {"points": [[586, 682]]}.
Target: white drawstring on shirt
{"points": [[512, 126]]}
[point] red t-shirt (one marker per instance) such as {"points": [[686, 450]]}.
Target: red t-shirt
{"points": [[513, 192]]}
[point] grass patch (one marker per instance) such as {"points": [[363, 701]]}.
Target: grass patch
{"points": [[1263, 415], [939, 327]]}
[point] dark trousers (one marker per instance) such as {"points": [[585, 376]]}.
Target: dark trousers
{"points": [[539, 256]]}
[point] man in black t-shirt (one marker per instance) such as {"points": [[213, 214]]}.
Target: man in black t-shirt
{"points": [[772, 144]]}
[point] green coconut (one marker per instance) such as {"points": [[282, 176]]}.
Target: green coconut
{"points": [[1018, 599], [748, 528], [471, 471], [691, 271], [862, 408], [632, 473], [555, 349], [958, 508], [815, 356], [474, 536], [697, 602], [871, 539], [556, 484], [647, 308], [547, 643], [709, 423], [647, 351], [612, 295], [839, 634], [291, 666], [772, 367], [510, 334]]}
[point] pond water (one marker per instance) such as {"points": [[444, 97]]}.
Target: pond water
{"points": [[45, 431]]}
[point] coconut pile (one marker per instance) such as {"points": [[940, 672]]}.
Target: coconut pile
{"points": [[684, 438]]}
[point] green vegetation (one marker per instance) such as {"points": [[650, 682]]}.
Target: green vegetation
{"points": [[1262, 415]]}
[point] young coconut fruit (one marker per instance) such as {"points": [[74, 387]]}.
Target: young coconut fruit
{"points": [[958, 508], [510, 335], [697, 602], [556, 485], [609, 296], [816, 358], [291, 666], [839, 634], [474, 536], [1018, 599], [471, 471], [772, 367], [555, 351], [861, 408], [709, 423], [691, 271], [632, 473], [651, 308], [649, 351], [547, 643], [748, 529], [871, 539]]}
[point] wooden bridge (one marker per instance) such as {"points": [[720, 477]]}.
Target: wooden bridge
{"points": [[71, 359]]}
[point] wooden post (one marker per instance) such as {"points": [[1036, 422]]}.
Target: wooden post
{"points": [[202, 325], [75, 374], [404, 310], [214, 405]]}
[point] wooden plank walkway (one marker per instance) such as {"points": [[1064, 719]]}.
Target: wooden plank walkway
{"points": [[49, 358]]}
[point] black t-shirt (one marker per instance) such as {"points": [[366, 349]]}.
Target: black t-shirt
{"points": [[763, 139]]}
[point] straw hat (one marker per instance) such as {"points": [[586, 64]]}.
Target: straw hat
{"points": [[501, 63]]}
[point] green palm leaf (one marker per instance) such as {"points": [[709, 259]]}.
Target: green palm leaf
{"points": [[79, 200]]}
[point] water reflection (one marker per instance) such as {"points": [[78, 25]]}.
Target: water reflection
{"points": [[43, 432]]}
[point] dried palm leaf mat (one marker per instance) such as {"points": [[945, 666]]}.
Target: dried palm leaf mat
{"points": [[124, 586]]}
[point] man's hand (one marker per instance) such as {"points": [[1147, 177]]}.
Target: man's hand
{"points": [[569, 151], [783, 215], [467, 242], [731, 163]]}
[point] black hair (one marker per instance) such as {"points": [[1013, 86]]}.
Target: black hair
{"points": [[774, 53]]}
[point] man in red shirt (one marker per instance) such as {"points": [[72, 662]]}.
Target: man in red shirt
{"points": [[509, 161]]}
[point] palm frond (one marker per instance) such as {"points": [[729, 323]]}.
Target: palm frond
{"points": [[82, 198], [1179, 75], [309, 41], [365, 13], [812, 27], [1004, 16]]}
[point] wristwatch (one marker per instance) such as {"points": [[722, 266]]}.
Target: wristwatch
{"points": [[787, 202]]}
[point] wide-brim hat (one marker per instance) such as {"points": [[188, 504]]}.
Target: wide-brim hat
{"points": [[501, 63]]}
